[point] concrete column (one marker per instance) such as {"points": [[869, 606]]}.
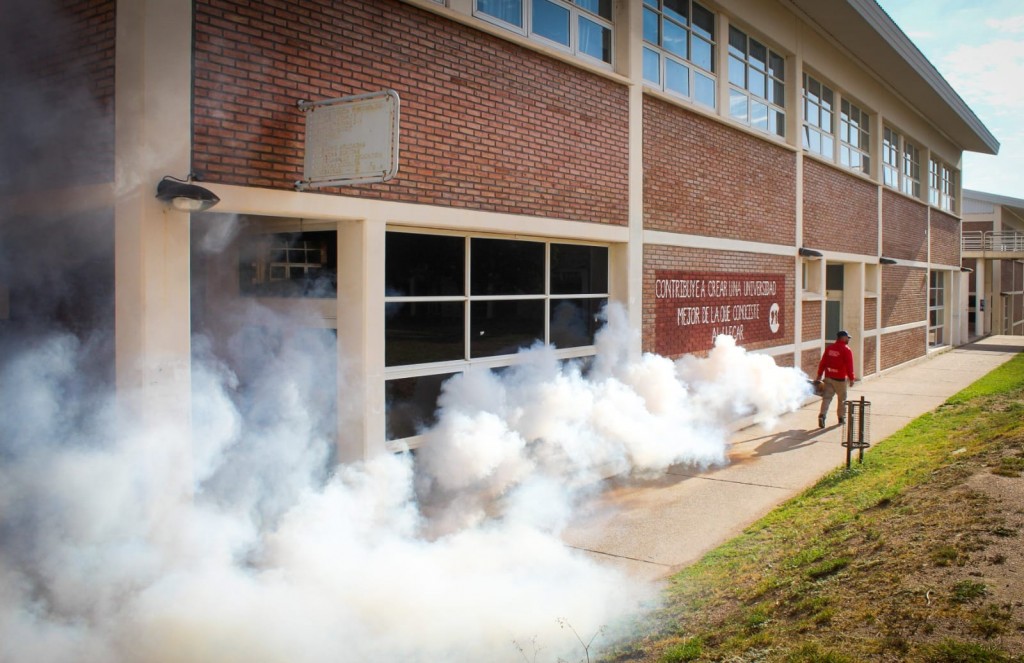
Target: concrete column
{"points": [[979, 297], [633, 25], [853, 310], [361, 424], [152, 139]]}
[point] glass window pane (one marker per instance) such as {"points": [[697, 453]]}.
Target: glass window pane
{"points": [[574, 322], [827, 98], [551, 21], [503, 327], [778, 96], [602, 8], [813, 114], [411, 404], [812, 90], [777, 66], [677, 77], [737, 43], [302, 264], [678, 10], [422, 332], [510, 11], [777, 123], [506, 267], [703, 21], [758, 55], [705, 90], [759, 115], [578, 270], [423, 265], [827, 148], [701, 54], [812, 140], [738, 106], [737, 72], [675, 39], [652, 66], [595, 40], [652, 27], [757, 82]]}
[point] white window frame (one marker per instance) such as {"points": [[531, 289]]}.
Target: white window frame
{"points": [[819, 109], [741, 64], [936, 308], [854, 137], [892, 152], [576, 13], [467, 299], [910, 177], [942, 182], [901, 163], [696, 73]]}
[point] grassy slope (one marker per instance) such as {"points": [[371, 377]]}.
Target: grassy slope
{"points": [[880, 562]]}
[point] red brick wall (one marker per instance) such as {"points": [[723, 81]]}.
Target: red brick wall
{"points": [[870, 350], [840, 210], [659, 257], [904, 295], [945, 238], [977, 225], [904, 228], [811, 324], [870, 312], [901, 347], [809, 362], [484, 123], [58, 106], [704, 178]]}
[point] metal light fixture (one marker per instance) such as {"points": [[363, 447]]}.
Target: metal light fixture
{"points": [[184, 196], [886, 261], [809, 253], [967, 270]]}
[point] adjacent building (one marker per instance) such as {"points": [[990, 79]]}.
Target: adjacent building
{"points": [[485, 174], [993, 252]]}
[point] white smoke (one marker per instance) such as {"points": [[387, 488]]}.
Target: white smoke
{"points": [[124, 543], [235, 537]]}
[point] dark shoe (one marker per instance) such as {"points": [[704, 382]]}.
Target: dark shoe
{"points": [[821, 421]]}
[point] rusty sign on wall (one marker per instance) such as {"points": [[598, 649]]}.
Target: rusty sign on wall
{"points": [[351, 140]]}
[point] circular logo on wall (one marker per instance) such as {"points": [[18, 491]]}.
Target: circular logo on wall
{"points": [[773, 318]]}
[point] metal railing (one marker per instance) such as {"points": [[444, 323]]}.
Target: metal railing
{"points": [[992, 240]]}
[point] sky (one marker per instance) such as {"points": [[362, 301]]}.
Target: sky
{"points": [[978, 47]]}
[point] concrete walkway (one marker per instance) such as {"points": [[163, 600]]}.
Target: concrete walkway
{"points": [[652, 529]]}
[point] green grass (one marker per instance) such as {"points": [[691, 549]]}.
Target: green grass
{"points": [[823, 576]]}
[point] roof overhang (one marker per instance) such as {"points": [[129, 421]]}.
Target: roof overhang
{"points": [[868, 34], [1014, 206]]}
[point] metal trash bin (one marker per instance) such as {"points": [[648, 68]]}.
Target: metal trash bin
{"points": [[856, 428]]}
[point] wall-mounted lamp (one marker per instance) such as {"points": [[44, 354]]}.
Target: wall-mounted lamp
{"points": [[184, 196], [886, 261], [809, 253], [966, 269]]}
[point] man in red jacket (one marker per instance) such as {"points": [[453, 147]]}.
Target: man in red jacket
{"points": [[836, 366]]}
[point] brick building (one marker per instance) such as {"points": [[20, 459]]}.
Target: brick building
{"points": [[993, 251], [775, 170]]}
